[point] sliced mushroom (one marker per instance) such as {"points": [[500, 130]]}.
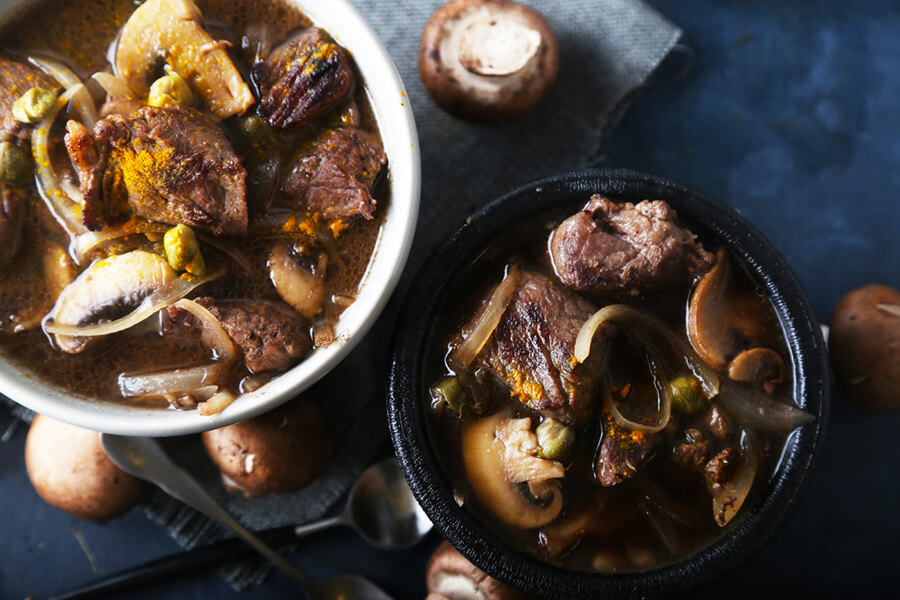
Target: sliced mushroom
{"points": [[298, 278], [172, 31], [450, 575], [723, 318], [488, 61], [865, 347], [499, 454], [108, 289], [762, 367]]}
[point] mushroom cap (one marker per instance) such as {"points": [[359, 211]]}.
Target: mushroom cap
{"points": [[763, 367], [70, 470], [724, 317], [864, 345], [488, 60], [450, 575], [280, 451], [492, 483]]}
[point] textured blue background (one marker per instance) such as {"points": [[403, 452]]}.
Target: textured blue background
{"points": [[790, 115]]}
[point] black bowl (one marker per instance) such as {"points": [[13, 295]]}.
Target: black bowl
{"points": [[407, 392]]}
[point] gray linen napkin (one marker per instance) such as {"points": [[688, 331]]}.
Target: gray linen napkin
{"points": [[608, 49]]}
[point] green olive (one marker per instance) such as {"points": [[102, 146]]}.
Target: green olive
{"points": [[182, 250], [687, 395], [449, 392], [554, 439], [33, 105], [15, 163], [170, 89]]}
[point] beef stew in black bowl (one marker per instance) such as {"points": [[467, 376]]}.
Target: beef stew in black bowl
{"points": [[607, 383]]}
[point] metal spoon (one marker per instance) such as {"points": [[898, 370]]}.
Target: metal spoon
{"points": [[145, 458], [381, 508]]}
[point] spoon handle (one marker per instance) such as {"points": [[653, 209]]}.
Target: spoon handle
{"points": [[179, 484]]}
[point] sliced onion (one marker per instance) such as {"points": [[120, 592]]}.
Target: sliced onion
{"points": [[176, 381], [214, 335], [229, 249], [729, 498], [217, 403], [81, 98], [660, 525], [662, 388], [158, 300], [760, 411], [637, 318], [667, 504], [87, 242], [66, 212], [71, 190], [112, 85], [490, 318]]}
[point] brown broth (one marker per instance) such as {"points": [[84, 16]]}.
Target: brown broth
{"points": [[80, 35], [619, 537]]}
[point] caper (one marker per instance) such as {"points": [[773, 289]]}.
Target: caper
{"points": [[258, 131], [170, 89], [33, 105], [182, 250], [449, 392], [15, 163], [687, 395], [554, 439]]}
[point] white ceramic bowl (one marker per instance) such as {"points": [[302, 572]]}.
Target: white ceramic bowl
{"points": [[398, 132]]}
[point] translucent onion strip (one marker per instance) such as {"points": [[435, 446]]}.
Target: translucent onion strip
{"points": [[112, 85], [64, 210], [81, 98], [158, 300], [633, 317], [760, 411], [177, 381], [217, 403], [87, 242], [490, 318], [214, 335], [662, 389], [730, 496]]}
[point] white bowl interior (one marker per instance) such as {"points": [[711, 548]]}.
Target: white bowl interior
{"points": [[397, 127]]}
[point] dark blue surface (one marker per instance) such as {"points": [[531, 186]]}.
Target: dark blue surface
{"points": [[790, 115]]}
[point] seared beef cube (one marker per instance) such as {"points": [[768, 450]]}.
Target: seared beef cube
{"points": [[169, 164], [532, 349], [303, 79], [15, 79], [609, 247], [12, 216], [715, 421], [271, 336], [622, 452], [693, 452], [334, 177], [721, 468]]}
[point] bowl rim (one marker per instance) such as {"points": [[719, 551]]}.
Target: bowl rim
{"points": [[390, 103], [406, 410]]}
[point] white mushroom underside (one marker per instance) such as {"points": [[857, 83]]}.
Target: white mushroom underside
{"points": [[463, 36]]}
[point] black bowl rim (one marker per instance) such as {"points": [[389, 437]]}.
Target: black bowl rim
{"points": [[406, 411]]}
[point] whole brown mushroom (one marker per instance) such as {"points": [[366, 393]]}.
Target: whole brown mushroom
{"points": [[70, 470], [488, 60], [864, 345], [450, 576], [280, 451]]}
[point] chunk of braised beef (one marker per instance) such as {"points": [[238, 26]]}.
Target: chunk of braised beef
{"points": [[15, 79], [271, 336], [720, 468], [532, 349], [169, 164], [609, 246], [302, 79], [12, 217], [716, 423], [622, 452], [334, 176], [693, 452]]}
